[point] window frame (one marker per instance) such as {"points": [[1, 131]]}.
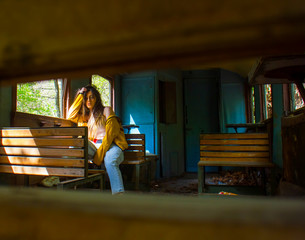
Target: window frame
{"points": [[111, 82], [260, 104], [292, 87], [65, 96]]}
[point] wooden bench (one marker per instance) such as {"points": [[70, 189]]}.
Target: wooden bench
{"points": [[234, 150], [48, 152], [136, 155]]}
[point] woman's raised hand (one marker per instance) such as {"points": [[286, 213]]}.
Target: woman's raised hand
{"points": [[83, 90]]}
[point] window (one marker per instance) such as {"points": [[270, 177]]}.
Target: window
{"points": [[296, 98], [42, 98], [104, 87], [261, 102], [267, 101], [252, 107]]}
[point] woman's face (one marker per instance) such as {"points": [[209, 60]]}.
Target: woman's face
{"points": [[90, 100]]}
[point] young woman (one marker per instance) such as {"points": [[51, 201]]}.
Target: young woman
{"points": [[104, 131]]}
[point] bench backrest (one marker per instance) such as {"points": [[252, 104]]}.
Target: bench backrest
{"points": [[235, 147], [136, 147], [44, 151], [21, 119]]}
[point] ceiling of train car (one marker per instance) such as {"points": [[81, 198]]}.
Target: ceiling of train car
{"points": [[72, 39]]}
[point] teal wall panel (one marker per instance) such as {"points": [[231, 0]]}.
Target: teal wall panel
{"points": [[201, 100], [212, 98], [138, 100], [171, 134], [232, 101], [138, 105], [277, 113]]}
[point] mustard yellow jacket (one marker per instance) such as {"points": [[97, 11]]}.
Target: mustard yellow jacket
{"points": [[114, 130]]}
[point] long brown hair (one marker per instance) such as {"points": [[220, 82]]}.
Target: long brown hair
{"points": [[96, 118]]}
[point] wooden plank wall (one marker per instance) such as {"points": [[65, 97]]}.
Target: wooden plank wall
{"points": [[293, 135], [66, 38]]}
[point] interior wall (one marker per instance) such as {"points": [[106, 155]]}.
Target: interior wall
{"points": [[232, 102], [201, 106], [138, 105], [5, 106], [277, 113], [293, 132], [171, 132], [76, 84], [5, 119]]}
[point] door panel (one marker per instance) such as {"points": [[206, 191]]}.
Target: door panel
{"points": [[201, 114]]}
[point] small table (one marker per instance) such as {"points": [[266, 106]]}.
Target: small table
{"points": [[248, 126]]}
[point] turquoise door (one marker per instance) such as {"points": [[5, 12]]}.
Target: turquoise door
{"points": [[201, 94]]}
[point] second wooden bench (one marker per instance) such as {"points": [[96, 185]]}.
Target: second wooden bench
{"points": [[136, 155], [232, 149]]}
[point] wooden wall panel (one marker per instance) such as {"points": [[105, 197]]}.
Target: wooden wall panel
{"points": [[293, 137]]}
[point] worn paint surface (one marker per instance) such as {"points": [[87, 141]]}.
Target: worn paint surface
{"points": [[201, 89], [138, 106]]}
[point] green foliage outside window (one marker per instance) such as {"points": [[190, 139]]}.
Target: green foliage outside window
{"points": [[103, 87], [297, 100], [46, 97], [268, 99], [42, 98]]}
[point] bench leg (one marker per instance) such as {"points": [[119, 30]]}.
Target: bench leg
{"points": [[201, 179], [264, 181], [148, 166], [137, 176], [102, 183]]}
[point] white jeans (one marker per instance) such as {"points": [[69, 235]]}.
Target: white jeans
{"points": [[113, 157]]}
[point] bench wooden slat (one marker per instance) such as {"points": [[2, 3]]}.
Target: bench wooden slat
{"points": [[134, 154], [234, 154], [46, 152], [234, 136], [134, 158], [133, 162], [43, 171], [135, 148], [134, 136], [236, 142], [40, 161], [40, 142], [235, 164], [135, 142], [233, 148], [41, 132], [235, 159]]}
